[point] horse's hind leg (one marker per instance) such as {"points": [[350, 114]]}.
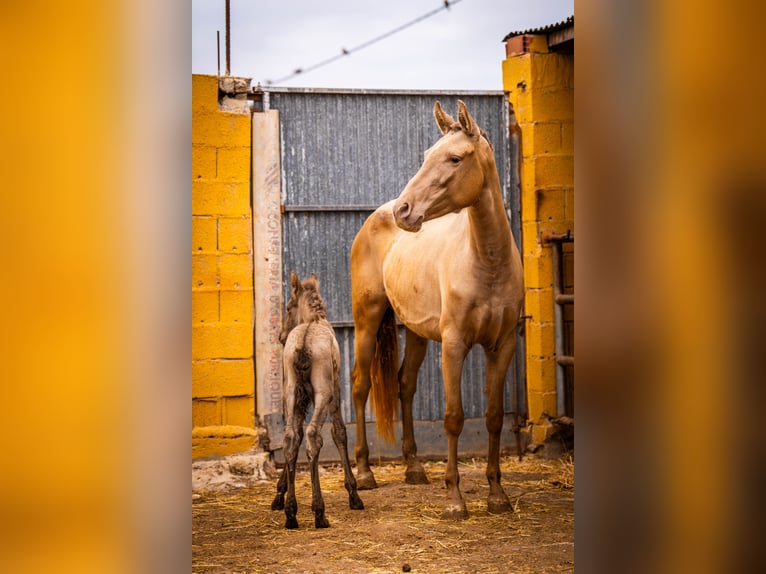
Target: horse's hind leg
{"points": [[313, 446], [497, 365], [292, 442], [341, 441], [367, 318], [414, 353], [279, 500]]}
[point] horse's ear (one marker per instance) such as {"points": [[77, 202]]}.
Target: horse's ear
{"points": [[295, 282], [466, 121], [443, 119], [313, 276]]}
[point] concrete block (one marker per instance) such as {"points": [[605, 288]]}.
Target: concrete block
{"points": [[235, 234], [234, 163], [219, 378], [205, 271], [235, 271], [538, 270], [546, 137], [222, 341], [220, 198], [555, 105], [550, 206], [554, 170], [205, 93], [205, 412], [203, 161], [237, 306], [540, 337], [539, 303], [240, 411], [205, 306], [204, 234]]}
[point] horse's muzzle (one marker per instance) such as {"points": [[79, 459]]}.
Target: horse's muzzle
{"points": [[406, 219]]}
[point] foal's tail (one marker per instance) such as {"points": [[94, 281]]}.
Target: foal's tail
{"points": [[304, 390], [383, 373]]}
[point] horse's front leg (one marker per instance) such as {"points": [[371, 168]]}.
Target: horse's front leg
{"points": [[454, 352], [414, 353], [497, 366]]}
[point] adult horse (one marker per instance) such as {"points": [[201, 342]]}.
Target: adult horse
{"points": [[442, 258]]}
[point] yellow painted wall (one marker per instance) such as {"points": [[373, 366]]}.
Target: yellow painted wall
{"points": [[541, 89], [223, 379]]}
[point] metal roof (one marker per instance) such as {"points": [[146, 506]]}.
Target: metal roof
{"points": [[543, 29]]}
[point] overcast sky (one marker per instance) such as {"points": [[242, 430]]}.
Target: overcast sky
{"points": [[456, 49]]}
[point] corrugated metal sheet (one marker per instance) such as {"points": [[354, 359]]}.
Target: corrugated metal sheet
{"points": [[343, 154], [542, 29]]}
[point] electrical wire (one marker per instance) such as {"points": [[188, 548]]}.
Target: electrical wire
{"points": [[344, 52]]}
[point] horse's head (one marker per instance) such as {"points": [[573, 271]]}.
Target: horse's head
{"points": [[305, 304], [452, 174]]}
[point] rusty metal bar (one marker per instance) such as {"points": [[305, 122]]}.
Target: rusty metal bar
{"points": [[328, 208], [565, 360], [557, 238], [565, 299], [228, 37]]}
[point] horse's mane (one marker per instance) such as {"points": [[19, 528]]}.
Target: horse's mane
{"points": [[312, 305]]}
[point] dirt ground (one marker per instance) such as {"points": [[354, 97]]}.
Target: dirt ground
{"points": [[400, 529]]}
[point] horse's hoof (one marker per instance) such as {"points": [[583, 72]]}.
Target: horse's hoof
{"points": [[291, 524], [498, 504], [355, 503], [366, 481], [455, 512], [416, 476], [278, 504], [321, 522]]}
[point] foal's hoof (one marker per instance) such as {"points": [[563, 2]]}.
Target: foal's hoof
{"points": [[416, 476], [278, 503], [455, 512], [498, 504], [354, 502], [366, 481]]}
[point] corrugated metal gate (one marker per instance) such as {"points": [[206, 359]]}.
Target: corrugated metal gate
{"points": [[343, 153]]}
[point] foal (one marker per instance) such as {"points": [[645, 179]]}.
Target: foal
{"points": [[311, 373]]}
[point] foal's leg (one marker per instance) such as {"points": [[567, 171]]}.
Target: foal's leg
{"points": [[313, 446], [293, 431], [339, 437], [454, 351], [414, 353], [497, 366], [292, 442], [367, 318]]}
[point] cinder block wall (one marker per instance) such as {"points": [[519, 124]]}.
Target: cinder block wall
{"points": [[223, 380], [541, 89]]}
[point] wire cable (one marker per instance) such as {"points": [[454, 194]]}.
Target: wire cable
{"points": [[344, 52]]}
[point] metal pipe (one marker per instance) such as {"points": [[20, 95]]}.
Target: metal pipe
{"points": [[558, 318], [565, 299]]}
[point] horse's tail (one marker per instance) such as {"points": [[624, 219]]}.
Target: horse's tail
{"points": [[383, 374], [304, 390]]}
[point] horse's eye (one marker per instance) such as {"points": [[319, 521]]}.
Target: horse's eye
{"points": [[454, 159]]}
